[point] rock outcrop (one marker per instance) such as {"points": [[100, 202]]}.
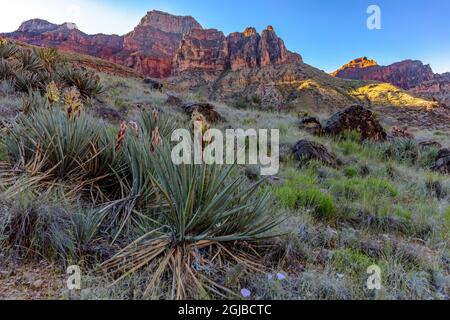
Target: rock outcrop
{"points": [[442, 164], [163, 44], [356, 118], [210, 51], [311, 125], [202, 50], [406, 74], [206, 109], [410, 75], [305, 151]]}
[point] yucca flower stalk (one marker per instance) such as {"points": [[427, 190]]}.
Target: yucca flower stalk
{"points": [[121, 135], [72, 102], [53, 95], [135, 127], [156, 140]]}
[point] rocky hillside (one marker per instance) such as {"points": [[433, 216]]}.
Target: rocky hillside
{"points": [[246, 67], [163, 44], [410, 75]]}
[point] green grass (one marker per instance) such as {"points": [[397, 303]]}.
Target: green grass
{"points": [[301, 192], [351, 262], [359, 188]]}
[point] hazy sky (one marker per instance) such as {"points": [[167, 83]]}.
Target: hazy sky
{"points": [[328, 33]]}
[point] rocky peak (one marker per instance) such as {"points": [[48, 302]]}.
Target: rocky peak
{"points": [[209, 50], [358, 63], [202, 50], [405, 74], [68, 26], [249, 32], [166, 22], [37, 26]]}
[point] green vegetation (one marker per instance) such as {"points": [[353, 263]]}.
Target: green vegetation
{"points": [[75, 189]]}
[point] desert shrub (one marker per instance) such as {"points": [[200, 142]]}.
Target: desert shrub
{"points": [[323, 204], [6, 70], [401, 150], [358, 188], [26, 81], [35, 228], [85, 230], [34, 101], [7, 49], [302, 191], [30, 61], [148, 122], [203, 216], [49, 57], [351, 262], [75, 149], [87, 82], [350, 172]]}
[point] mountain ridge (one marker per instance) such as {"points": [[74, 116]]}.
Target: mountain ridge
{"points": [[412, 75], [154, 46]]}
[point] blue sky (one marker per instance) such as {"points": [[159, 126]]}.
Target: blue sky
{"points": [[327, 33]]}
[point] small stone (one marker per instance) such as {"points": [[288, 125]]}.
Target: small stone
{"points": [[38, 284]]}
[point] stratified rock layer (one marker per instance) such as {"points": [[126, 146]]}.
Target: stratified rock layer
{"points": [[163, 44]]}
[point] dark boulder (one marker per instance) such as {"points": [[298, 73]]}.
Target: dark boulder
{"points": [[442, 164], [430, 144], [173, 100], [311, 125], [155, 85], [356, 118], [305, 151], [399, 133], [206, 109]]}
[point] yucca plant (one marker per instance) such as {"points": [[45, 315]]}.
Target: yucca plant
{"points": [[33, 102], [56, 147], [87, 82], [30, 61], [205, 220], [50, 58], [6, 70], [7, 49], [26, 81], [148, 122]]}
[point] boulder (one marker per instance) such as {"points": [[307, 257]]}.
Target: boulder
{"points": [[206, 109], [305, 151], [430, 144], [311, 125], [155, 85], [173, 100], [442, 164], [356, 118], [399, 133]]}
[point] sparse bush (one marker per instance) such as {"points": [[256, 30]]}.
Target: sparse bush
{"points": [[6, 70], [34, 229], [50, 58], [358, 188], [7, 49], [34, 102], [351, 262], [75, 149], [87, 82], [30, 61]]}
